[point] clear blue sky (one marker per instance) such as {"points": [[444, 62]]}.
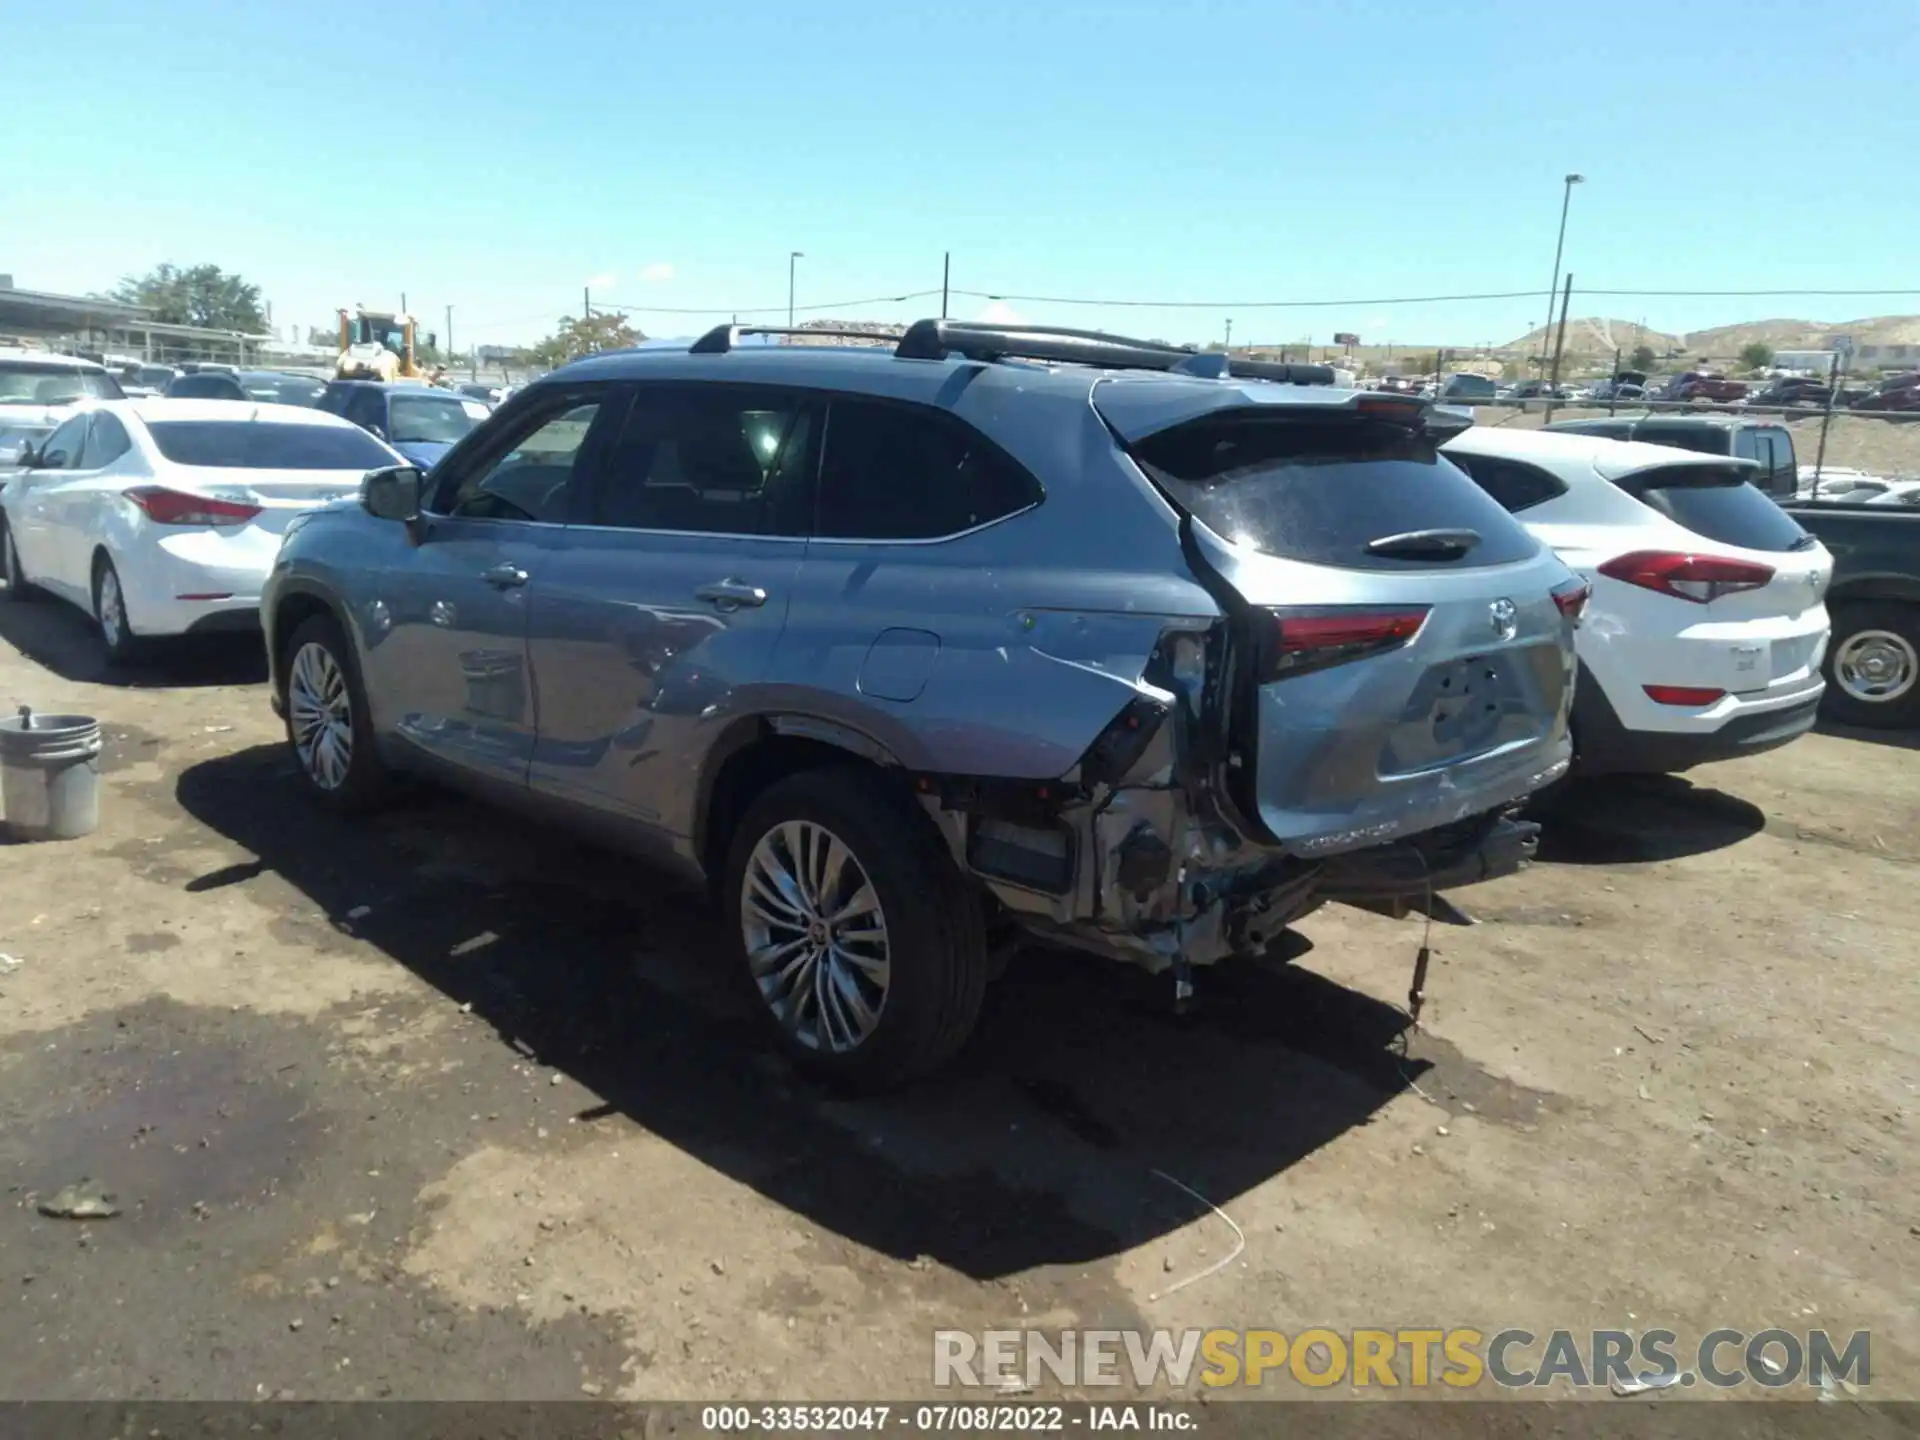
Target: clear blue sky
{"points": [[497, 156]]}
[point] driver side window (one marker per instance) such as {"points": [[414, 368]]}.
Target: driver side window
{"points": [[530, 481]]}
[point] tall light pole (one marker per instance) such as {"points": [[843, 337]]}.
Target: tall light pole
{"points": [[793, 256], [1566, 198], [1229, 336]]}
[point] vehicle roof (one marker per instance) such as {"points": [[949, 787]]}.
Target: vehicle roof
{"points": [[1679, 422], [876, 370], [238, 412], [1612, 459], [408, 386], [59, 362]]}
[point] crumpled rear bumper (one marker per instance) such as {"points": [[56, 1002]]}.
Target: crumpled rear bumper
{"points": [[1485, 847]]}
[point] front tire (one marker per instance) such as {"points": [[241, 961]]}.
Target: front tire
{"points": [[860, 942], [110, 613], [329, 727], [17, 586], [1873, 665]]}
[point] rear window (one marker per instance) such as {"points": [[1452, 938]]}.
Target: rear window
{"points": [[430, 419], [1473, 387], [282, 389], [205, 386], [27, 383], [258, 445], [1320, 490], [1705, 440], [1717, 504]]}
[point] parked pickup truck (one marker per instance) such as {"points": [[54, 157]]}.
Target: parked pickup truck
{"points": [[1873, 657]]}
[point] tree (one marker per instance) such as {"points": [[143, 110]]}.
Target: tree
{"points": [[608, 330], [203, 295], [1756, 356], [1643, 359]]}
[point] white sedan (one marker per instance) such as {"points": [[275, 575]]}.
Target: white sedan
{"points": [[162, 517]]}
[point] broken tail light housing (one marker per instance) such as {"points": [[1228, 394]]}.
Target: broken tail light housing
{"points": [[1118, 748], [1303, 640], [176, 507], [1571, 598], [1700, 579]]}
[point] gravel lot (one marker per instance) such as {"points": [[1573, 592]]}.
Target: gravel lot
{"points": [[443, 1105]]}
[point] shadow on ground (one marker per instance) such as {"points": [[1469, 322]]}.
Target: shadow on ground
{"points": [[1907, 739], [1037, 1147], [1637, 819], [54, 634]]}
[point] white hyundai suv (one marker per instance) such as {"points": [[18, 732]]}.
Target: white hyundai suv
{"points": [[1705, 631]]}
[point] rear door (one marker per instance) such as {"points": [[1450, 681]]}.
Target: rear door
{"points": [[1401, 662], [669, 594], [33, 502]]}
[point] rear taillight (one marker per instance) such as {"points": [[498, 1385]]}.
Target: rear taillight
{"points": [[1699, 578], [1682, 694], [176, 507], [1313, 639], [1572, 598]]}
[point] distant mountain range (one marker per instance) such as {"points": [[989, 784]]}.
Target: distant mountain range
{"points": [[1590, 335]]}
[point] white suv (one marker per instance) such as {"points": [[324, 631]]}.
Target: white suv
{"points": [[1705, 631]]}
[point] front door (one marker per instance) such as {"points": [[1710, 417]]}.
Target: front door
{"points": [[449, 644], [670, 597]]}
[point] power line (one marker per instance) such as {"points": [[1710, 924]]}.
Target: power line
{"points": [[1243, 304], [764, 309], [1744, 294]]}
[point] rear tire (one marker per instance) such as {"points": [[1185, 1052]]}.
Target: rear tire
{"points": [[329, 728], [17, 586], [1873, 665], [110, 614], [860, 943]]}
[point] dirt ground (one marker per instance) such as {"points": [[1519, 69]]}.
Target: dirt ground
{"points": [[441, 1105]]}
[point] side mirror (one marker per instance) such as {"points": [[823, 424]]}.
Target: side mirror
{"points": [[392, 493]]}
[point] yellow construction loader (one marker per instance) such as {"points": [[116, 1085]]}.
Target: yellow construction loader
{"points": [[377, 345]]}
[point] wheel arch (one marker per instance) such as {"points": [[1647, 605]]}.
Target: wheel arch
{"points": [[753, 753], [1903, 589], [296, 604]]}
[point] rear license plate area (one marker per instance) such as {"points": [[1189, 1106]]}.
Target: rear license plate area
{"points": [[1464, 701], [1792, 655]]}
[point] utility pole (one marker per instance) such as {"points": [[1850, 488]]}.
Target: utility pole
{"points": [[1826, 423], [1559, 345], [1229, 345], [946, 274], [1566, 199], [449, 332], [793, 258]]}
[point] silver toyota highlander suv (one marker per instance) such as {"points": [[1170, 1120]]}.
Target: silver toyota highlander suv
{"points": [[910, 654]]}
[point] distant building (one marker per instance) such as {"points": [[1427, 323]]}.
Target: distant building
{"points": [[1886, 357]]}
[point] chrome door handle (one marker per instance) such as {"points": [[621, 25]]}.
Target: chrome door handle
{"points": [[505, 576], [731, 594]]}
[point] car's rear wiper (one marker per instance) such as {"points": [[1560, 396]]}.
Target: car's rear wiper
{"points": [[1425, 544]]}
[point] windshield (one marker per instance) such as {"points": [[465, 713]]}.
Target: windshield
{"points": [[206, 385], [25, 383], [266, 445], [270, 388], [430, 419]]}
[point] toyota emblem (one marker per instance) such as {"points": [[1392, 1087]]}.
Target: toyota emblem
{"points": [[1504, 616]]}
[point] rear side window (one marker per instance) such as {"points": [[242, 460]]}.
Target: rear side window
{"points": [[259, 445], [900, 472], [1321, 491], [1717, 503], [1516, 486]]}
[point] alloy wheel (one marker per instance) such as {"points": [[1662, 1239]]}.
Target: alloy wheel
{"points": [[816, 937], [1876, 666], [113, 609], [320, 715]]}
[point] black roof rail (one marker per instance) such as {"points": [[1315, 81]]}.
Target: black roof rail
{"points": [[937, 339], [722, 338]]}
